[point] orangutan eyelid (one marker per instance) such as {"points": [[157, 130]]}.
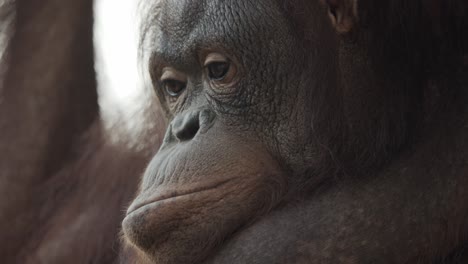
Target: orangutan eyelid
{"points": [[214, 58], [169, 73], [219, 69]]}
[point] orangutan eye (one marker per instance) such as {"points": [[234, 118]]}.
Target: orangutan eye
{"points": [[220, 69], [173, 87], [173, 82]]}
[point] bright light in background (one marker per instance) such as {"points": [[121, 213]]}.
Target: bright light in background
{"points": [[5, 23], [116, 43], [120, 86]]}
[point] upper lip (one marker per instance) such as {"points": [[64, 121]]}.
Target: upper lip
{"points": [[172, 193]]}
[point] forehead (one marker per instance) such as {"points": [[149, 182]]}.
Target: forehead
{"points": [[180, 25], [189, 13]]}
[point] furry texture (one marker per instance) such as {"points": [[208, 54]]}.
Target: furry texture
{"points": [[65, 194], [65, 185]]}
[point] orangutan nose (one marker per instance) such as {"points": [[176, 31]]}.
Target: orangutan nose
{"points": [[186, 126]]}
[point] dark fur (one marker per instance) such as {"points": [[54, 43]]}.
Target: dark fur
{"points": [[64, 186], [64, 195]]}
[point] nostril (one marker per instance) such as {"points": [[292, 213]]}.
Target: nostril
{"points": [[188, 128]]}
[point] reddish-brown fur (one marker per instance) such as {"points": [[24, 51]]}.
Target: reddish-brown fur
{"points": [[64, 185]]}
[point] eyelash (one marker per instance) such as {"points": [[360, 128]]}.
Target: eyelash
{"points": [[180, 87]]}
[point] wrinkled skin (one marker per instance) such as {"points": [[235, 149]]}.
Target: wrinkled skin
{"points": [[230, 133], [297, 132]]}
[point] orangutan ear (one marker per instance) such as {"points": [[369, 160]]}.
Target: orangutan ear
{"points": [[343, 14]]}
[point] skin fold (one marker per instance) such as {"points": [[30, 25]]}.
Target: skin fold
{"points": [[302, 131]]}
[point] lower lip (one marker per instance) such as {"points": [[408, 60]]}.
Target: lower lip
{"points": [[169, 194]]}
